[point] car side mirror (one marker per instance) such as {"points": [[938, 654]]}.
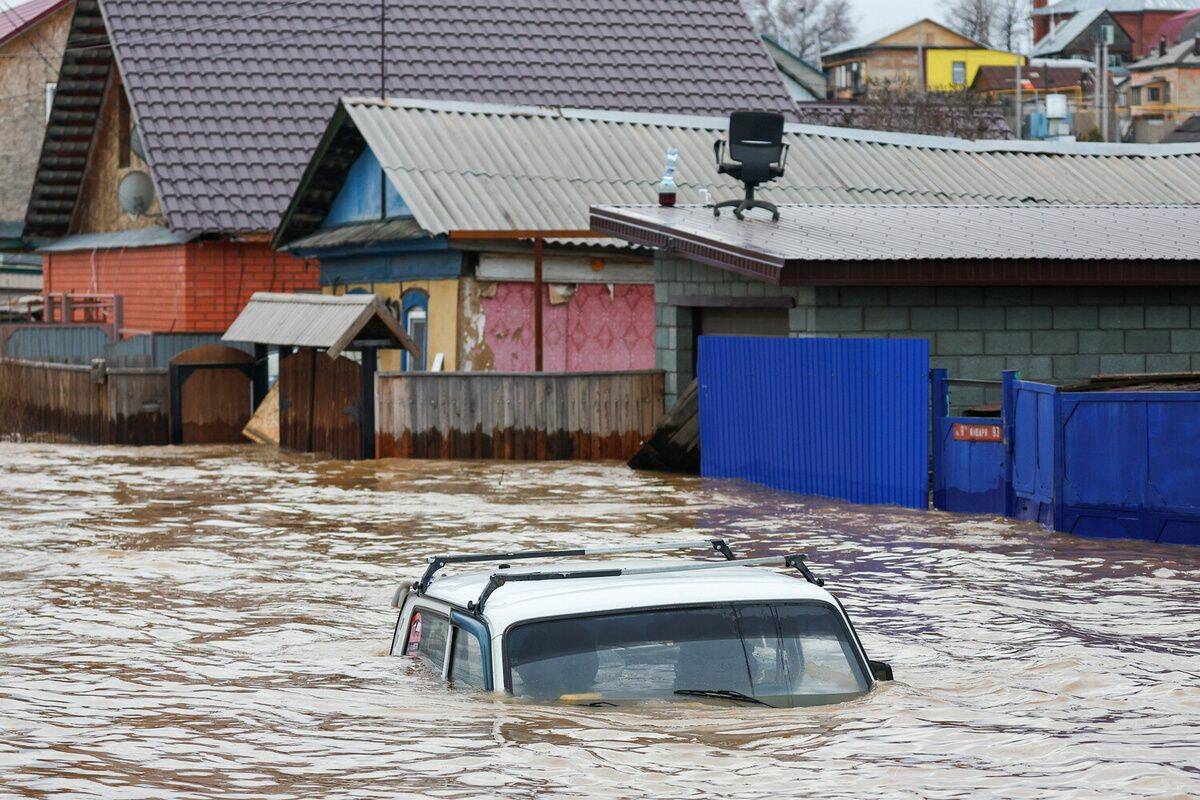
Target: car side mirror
{"points": [[401, 594], [881, 671]]}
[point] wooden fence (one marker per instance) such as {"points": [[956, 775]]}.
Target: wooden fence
{"points": [[516, 416], [84, 404]]}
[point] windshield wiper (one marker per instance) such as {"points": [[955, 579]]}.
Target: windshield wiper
{"points": [[722, 694]]}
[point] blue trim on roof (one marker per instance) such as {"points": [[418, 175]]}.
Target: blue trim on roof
{"points": [[396, 247], [360, 197], [391, 268]]}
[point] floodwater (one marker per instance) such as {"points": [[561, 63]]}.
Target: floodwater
{"points": [[214, 622]]}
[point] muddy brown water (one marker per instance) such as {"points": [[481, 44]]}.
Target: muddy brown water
{"points": [[213, 622]]}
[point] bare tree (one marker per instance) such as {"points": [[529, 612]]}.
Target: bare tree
{"points": [[972, 18], [1010, 25], [806, 27], [891, 105]]}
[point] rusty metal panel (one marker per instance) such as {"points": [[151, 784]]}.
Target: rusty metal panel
{"points": [[211, 394], [319, 404], [517, 416], [67, 344]]}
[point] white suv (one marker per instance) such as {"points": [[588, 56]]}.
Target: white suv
{"points": [[628, 631]]}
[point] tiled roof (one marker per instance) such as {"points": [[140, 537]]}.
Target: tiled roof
{"points": [[479, 168], [19, 17], [232, 95]]}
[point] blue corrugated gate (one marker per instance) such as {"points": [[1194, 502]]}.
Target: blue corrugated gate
{"points": [[1031, 424], [969, 458], [845, 418]]}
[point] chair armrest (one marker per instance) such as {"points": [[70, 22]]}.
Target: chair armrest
{"points": [[718, 150], [783, 158]]}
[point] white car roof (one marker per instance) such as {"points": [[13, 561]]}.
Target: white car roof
{"points": [[519, 601]]}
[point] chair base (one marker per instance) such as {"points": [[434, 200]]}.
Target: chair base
{"points": [[740, 207]]}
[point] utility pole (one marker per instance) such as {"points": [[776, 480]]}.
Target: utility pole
{"points": [[1096, 88], [1104, 89], [1017, 120]]}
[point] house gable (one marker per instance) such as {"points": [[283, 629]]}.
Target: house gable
{"points": [[926, 33], [361, 197]]}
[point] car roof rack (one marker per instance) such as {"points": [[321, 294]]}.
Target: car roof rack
{"points": [[794, 561], [438, 562]]}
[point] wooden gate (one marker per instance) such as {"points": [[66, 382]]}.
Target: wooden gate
{"points": [[211, 395], [320, 404]]}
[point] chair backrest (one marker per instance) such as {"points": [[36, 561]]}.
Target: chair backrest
{"points": [[756, 137]]}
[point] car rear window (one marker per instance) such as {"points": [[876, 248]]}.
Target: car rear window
{"points": [[426, 640], [786, 654]]}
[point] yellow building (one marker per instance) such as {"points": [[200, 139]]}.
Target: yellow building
{"points": [[948, 69], [919, 53]]}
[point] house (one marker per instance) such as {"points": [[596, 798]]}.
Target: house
{"points": [[1076, 36], [923, 54], [1165, 90], [32, 37], [1142, 20], [1187, 133], [805, 82], [180, 130], [1055, 259]]}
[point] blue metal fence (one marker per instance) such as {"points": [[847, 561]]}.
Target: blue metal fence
{"points": [[845, 418], [1031, 425]]}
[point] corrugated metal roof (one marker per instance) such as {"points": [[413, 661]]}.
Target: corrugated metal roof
{"points": [[367, 233], [907, 232], [468, 167], [1058, 39], [231, 96], [138, 237], [1116, 6], [315, 320]]}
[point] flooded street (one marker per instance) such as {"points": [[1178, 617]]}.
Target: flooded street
{"points": [[214, 622]]}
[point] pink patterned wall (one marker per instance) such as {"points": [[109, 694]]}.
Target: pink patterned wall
{"points": [[600, 328]]}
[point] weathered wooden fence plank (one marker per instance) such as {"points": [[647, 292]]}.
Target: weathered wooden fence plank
{"points": [[516, 416]]}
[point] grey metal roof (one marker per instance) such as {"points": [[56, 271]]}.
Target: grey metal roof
{"points": [[316, 320], [908, 232], [231, 96], [1058, 39], [1180, 53], [1116, 6], [363, 234], [152, 236], [470, 167]]}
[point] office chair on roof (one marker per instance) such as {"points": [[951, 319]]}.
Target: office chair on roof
{"points": [[757, 154]]}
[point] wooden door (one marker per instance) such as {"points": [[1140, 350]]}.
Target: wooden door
{"points": [[212, 398], [320, 404]]}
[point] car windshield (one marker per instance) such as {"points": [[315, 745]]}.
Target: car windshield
{"points": [[788, 654]]}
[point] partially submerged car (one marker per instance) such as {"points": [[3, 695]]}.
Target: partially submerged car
{"points": [[629, 631]]}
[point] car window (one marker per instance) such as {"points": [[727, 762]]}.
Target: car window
{"points": [[427, 633], [784, 655], [466, 661]]}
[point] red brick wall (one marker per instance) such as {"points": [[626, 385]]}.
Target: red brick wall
{"points": [[151, 279], [199, 286]]}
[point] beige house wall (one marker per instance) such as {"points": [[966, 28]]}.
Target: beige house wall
{"points": [[28, 62]]}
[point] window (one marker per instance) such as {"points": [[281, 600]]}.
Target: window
{"points": [[415, 307], [790, 654], [51, 88], [466, 662], [1153, 95], [427, 632], [958, 73]]}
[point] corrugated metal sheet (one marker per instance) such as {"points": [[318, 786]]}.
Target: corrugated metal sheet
{"points": [[845, 418], [314, 320], [365, 234], [464, 167], [153, 236], [69, 344], [888, 233], [1114, 6]]}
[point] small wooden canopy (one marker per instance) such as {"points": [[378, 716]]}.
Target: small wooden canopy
{"points": [[316, 320]]}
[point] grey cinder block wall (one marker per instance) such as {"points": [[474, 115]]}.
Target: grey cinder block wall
{"points": [[1052, 334]]}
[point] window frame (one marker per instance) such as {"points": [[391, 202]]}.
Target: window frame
{"points": [[836, 607], [954, 73], [414, 300], [461, 623]]}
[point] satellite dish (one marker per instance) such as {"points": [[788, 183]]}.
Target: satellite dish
{"points": [[136, 193]]}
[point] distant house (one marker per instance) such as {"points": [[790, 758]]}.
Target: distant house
{"points": [[1187, 133], [1165, 90], [181, 129], [1076, 37], [804, 81], [1142, 20], [32, 37], [923, 54]]}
